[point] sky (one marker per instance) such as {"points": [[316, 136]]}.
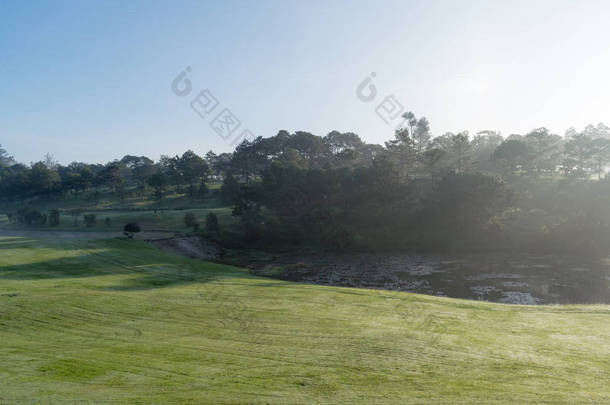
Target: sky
{"points": [[92, 80]]}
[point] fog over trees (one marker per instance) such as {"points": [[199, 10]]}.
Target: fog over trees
{"points": [[457, 190]]}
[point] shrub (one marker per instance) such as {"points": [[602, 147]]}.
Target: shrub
{"points": [[75, 212], [131, 229], [30, 216], [203, 190], [189, 220], [229, 189], [54, 217], [90, 219], [192, 190], [211, 223]]}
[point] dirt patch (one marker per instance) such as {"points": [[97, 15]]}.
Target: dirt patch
{"points": [[194, 247], [516, 278]]}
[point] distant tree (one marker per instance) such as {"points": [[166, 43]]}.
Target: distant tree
{"points": [[600, 155], [578, 155], [131, 229], [222, 164], [121, 192], [211, 160], [465, 203], [158, 182], [43, 180], [211, 223], [202, 190], [421, 135], [75, 212], [461, 151], [192, 168], [411, 140], [192, 190], [291, 158], [168, 166], [510, 154], [600, 130], [433, 159], [309, 146], [585, 156], [250, 157], [229, 189], [132, 162], [141, 169], [107, 221], [30, 217], [50, 162], [190, 220], [111, 176], [570, 132], [54, 217], [406, 128], [90, 219], [483, 145], [86, 178], [5, 158], [95, 196], [453, 152], [340, 142], [401, 150], [545, 150]]}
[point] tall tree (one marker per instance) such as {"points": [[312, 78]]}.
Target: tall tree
{"points": [[42, 179], [158, 181], [111, 176], [192, 168], [483, 145], [421, 135], [545, 150], [452, 152], [511, 154], [5, 158]]}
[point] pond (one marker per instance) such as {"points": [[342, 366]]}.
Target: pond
{"points": [[520, 278]]}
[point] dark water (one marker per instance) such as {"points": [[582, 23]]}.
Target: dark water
{"points": [[508, 278]]}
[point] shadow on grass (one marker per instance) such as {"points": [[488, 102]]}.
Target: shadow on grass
{"points": [[146, 266]]}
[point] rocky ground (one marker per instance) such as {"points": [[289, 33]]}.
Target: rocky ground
{"points": [[507, 278], [194, 247]]}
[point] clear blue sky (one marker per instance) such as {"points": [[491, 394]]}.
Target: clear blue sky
{"points": [[90, 80]]}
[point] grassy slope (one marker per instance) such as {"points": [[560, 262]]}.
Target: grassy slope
{"points": [[116, 320], [148, 220], [110, 201], [132, 209]]}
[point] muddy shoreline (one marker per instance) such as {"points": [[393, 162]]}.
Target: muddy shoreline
{"points": [[517, 278], [513, 278]]}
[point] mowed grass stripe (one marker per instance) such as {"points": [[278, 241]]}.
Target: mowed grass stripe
{"points": [[120, 321]]}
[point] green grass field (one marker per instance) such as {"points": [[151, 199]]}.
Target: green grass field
{"points": [[133, 209], [120, 321], [108, 200], [149, 220]]}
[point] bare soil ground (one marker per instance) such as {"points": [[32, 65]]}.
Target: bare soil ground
{"points": [[498, 277], [194, 247]]}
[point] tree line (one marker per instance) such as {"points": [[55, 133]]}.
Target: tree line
{"points": [[533, 190], [413, 151]]}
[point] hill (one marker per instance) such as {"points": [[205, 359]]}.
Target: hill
{"points": [[121, 321]]}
